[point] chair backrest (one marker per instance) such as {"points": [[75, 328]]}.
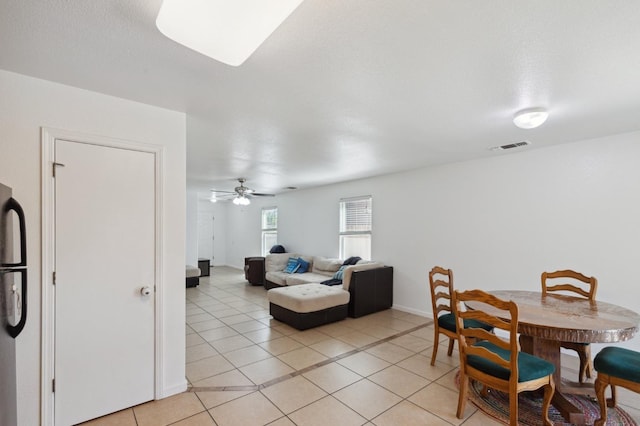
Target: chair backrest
{"points": [[501, 314], [570, 281], [441, 284]]}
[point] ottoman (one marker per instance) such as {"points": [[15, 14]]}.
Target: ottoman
{"points": [[193, 276], [308, 305]]}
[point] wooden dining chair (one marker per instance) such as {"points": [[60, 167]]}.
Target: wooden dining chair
{"points": [[495, 362], [615, 367], [575, 283], [444, 322]]}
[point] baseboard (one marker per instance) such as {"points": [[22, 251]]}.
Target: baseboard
{"points": [[412, 311], [173, 390]]}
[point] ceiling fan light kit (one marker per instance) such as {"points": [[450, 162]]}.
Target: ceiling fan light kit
{"points": [[530, 118], [241, 201], [227, 31]]}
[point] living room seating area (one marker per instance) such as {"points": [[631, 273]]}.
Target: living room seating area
{"points": [[308, 291], [245, 368]]}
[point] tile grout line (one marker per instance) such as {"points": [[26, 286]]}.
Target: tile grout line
{"points": [[306, 369]]}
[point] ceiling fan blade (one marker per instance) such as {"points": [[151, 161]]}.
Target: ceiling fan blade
{"points": [[222, 197], [258, 194], [222, 192]]}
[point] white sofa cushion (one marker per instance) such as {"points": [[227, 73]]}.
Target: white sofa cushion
{"points": [[307, 277], [326, 266], [308, 297], [277, 261], [277, 277], [192, 271]]}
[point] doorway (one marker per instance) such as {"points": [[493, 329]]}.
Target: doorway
{"points": [[101, 305]]}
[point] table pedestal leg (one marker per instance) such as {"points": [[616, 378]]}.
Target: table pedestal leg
{"points": [[550, 351]]}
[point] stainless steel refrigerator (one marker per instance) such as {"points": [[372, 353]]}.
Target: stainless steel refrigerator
{"points": [[13, 298]]}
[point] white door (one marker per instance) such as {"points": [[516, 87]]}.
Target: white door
{"points": [[104, 257], [205, 234]]}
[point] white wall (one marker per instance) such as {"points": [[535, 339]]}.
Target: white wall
{"points": [[244, 232], [497, 222], [191, 251], [212, 218], [26, 105]]}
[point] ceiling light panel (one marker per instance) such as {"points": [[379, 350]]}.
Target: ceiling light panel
{"points": [[226, 30], [530, 118]]}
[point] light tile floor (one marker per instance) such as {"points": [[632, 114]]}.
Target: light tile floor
{"points": [[245, 368]]}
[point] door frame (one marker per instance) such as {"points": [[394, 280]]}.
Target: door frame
{"points": [[48, 137]]}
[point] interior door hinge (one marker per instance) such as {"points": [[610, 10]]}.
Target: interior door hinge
{"points": [[54, 278], [54, 167], [53, 385]]}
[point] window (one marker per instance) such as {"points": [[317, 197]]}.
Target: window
{"points": [[355, 227], [269, 229]]}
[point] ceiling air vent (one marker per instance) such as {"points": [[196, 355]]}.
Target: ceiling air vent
{"points": [[510, 146]]}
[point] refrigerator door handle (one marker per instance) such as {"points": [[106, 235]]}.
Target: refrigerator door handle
{"points": [[14, 330], [12, 204]]}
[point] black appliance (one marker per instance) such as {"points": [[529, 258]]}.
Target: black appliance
{"points": [[13, 298]]}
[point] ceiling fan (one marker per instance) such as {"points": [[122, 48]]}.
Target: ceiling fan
{"points": [[241, 195]]}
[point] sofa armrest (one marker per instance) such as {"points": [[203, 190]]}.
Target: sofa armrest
{"points": [[371, 290], [254, 270]]}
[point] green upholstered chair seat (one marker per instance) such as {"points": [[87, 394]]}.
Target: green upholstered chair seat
{"points": [[618, 362], [448, 321], [529, 367]]}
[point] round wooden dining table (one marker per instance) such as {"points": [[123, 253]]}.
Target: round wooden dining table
{"points": [[546, 321]]}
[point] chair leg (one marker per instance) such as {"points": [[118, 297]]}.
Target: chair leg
{"points": [[435, 347], [546, 402], [600, 387], [484, 392], [450, 349], [513, 408], [612, 402], [462, 394]]}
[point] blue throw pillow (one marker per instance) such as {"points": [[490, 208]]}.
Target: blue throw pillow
{"points": [[292, 265], [303, 266], [339, 273]]}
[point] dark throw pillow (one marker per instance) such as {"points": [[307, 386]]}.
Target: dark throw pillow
{"points": [[332, 281], [352, 260], [277, 249]]}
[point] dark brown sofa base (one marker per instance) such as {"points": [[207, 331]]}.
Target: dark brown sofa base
{"points": [[371, 291], [269, 284], [303, 321], [193, 281]]}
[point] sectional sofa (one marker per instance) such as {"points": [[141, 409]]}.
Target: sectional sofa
{"points": [[369, 283]]}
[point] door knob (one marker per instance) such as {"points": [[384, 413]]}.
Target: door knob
{"points": [[145, 291]]}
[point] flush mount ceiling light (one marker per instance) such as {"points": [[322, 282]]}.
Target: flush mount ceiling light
{"points": [[226, 30], [530, 118]]}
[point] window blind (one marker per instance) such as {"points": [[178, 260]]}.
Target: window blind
{"points": [[270, 218], [355, 215]]}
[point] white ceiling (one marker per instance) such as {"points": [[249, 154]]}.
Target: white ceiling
{"points": [[346, 89]]}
